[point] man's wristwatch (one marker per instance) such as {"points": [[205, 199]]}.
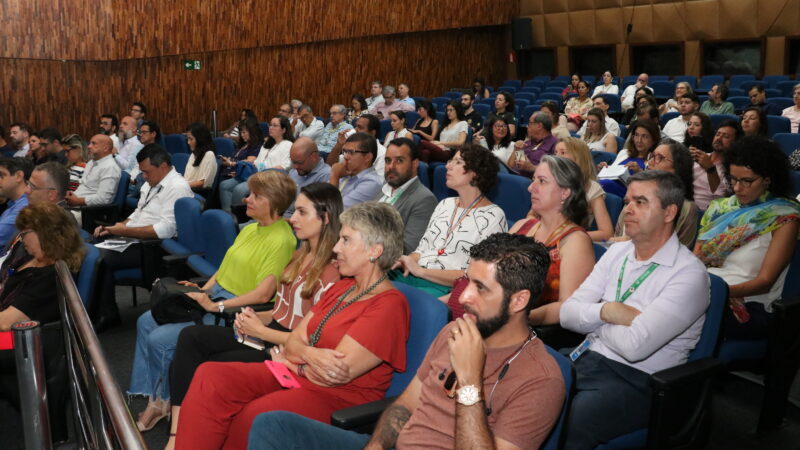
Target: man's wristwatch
{"points": [[221, 306], [468, 395]]}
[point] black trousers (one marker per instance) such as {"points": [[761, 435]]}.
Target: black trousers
{"points": [[105, 304], [200, 343]]}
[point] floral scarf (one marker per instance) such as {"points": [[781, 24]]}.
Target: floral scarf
{"points": [[728, 225]]}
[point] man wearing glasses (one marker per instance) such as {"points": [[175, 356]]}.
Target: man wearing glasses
{"points": [[109, 125], [356, 177], [389, 104], [126, 157], [629, 94], [307, 167], [337, 125], [138, 112]]}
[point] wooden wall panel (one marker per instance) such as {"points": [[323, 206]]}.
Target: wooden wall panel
{"points": [[115, 30], [70, 95]]}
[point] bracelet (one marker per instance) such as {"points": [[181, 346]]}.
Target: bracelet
{"points": [[301, 370]]}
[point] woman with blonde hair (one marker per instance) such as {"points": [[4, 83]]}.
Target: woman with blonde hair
{"points": [[597, 137], [576, 150], [77, 155]]}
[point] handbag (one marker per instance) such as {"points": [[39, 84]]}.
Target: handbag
{"points": [[172, 305], [244, 170]]}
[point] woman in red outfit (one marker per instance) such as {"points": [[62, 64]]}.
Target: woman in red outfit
{"points": [[343, 353]]}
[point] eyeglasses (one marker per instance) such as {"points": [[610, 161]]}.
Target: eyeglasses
{"points": [[657, 158], [351, 152], [300, 163], [133, 110], [500, 125], [33, 187], [141, 131], [746, 182]]}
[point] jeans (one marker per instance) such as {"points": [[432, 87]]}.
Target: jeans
{"points": [[231, 192], [279, 430], [155, 346]]}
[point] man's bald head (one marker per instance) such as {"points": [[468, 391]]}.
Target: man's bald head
{"points": [[304, 155], [128, 126], [100, 146]]}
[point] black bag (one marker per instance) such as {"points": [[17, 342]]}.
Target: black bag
{"points": [[170, 304]]}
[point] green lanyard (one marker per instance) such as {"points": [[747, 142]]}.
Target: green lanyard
{"points": [[393, 199], [652, 267]]}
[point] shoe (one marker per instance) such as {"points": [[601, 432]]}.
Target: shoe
{"points": [[106, 322], [155, 411]]}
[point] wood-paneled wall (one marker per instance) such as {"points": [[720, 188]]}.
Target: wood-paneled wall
{"points": [[71, 94]]}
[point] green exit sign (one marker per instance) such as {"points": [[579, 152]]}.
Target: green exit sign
{"points": [[191, 64]]}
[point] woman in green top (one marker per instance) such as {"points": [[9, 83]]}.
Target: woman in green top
{"points": [[261, 249], [716, 103]]}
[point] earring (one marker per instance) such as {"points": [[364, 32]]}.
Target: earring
{"points": [[372, 259]]}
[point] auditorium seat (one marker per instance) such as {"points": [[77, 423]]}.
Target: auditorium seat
{"points": [[708, 81], [666, 117], [747, 85], [773, 80], [552, 96], [527, 113], [717, 119], [778, 124], [179, 161], [736, 81], [555, 439], [613, 102], [515, 83], [452, 95], [189, 238], [482, 108], [219, 230], [86, 280], [224, 146], [772, 92], [739, 103], [662, 89], [605, 157], [531, 89], [530, 97], [411, 118], [786, 87], [781, 102], [692, 80], [110, 213], [789, 142], [659, 78], [176, 143], [510, 89]]}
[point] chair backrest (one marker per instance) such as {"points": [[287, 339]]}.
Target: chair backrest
{"points": [[786, 87], [87, 276], [188, 212], [717, 119], [659, 77], [122, 189], [482, 108], [511, 195], [218, 231], [709, 81], [428, 317], [691, 79], [791, 286], [510, 89], [795, 179], [527, 113], [781, 102], [530, 97], [739, 102], [224, 146], [605, 157], [620, 142], [708, 344], [411, 118], [179, 161], [789, 142], [176, 143], [556, 97], [385, 128], [666, 117], [423, 172], [516, 83], [778, 124], [553, 440], [747, 85], [439, 187], [613, 102], [773, 80], [662, 88], [452, 95], [736, 81], [614, 205]]}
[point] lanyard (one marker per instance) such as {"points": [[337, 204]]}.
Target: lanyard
{"points": [[148, 199], [652, 267], [394, 198]]}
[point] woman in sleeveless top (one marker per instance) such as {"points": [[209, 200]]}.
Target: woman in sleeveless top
{"points": [[426, 127], [597, 137]]}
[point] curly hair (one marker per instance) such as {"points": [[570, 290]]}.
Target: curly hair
{"points": [[762, 118], [483, 164], [764, 157], [57, 232]]}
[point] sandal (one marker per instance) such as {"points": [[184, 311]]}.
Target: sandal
{"points": [[155, 411]]}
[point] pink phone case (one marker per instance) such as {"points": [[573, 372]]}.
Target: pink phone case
{"points": [[282, 374]]}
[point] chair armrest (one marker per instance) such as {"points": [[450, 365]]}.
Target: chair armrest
{"points": [[688, 373], [360, 416], [230, 313]]}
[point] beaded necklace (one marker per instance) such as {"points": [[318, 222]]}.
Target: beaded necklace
{"points": [[338, 307]]}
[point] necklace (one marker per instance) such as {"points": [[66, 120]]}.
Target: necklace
{"points": [[454, 226], [338, 307], [555, 231]]}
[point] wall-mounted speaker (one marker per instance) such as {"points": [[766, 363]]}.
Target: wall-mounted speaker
{"points": [[522, 33]]}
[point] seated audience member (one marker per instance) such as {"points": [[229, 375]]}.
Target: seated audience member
{"points": [[356, 177], [357, 109], [754, 122], [77, 154], [758, 98], [261, 250], [363, 318], [539, 142], [201, 169], [149, 133], [403, 190], [716, 103], [233, 131], [368, 124], [5, 149], [330, 133], [606, 87], [452, 135], [611, 124], [628, 96], [36, 150], [20, 134], [306, 124], [275, 154], [307, 167], [154, 218], [497, 139], [643, 96], [577, 151], [101, 177], [597, 136], [252, 140], [48, 183], [645, 136], [649, 325], [559, 129], [671, 105], [479, 89], [456, 224], [473, 118], [673, 157], [700, 141], [572, 88], [51, 141], [130, 145], [793, 112], [109, 126], [375, 97], [398, 122], [403, 93], [427, 126], [310, 273], [558, 207], [138, 112], [699, 132], [295, 104], [506, 274], [504, 107], [675, 129], [14, 174], [389, 104], [748, 238], [576, 108]]}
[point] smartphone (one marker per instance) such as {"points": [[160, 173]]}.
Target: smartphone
{"points": [[282, 374], [697, 142]]}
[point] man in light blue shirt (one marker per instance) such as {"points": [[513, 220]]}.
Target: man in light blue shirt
{"points": [[14, 173], [307, 167], [355, 177], [327, 139]]}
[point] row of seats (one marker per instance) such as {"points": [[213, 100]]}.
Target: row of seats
{"points": [[702, 84]]}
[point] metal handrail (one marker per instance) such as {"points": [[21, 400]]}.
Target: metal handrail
{"points": [[102, 419]]}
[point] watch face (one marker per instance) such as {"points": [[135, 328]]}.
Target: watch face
{"points": [[468, 395]]}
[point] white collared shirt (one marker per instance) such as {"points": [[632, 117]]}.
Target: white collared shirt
{"points": [[126, 157], [389, 192], [23, 151], [99, 181], [672, 301], [158, 208]]}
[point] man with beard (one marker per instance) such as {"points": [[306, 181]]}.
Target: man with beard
{"points": [[20, 135], [709, 171], [405, 192], [479, 379], [126, 157], [642, 309], [109, 124]]}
